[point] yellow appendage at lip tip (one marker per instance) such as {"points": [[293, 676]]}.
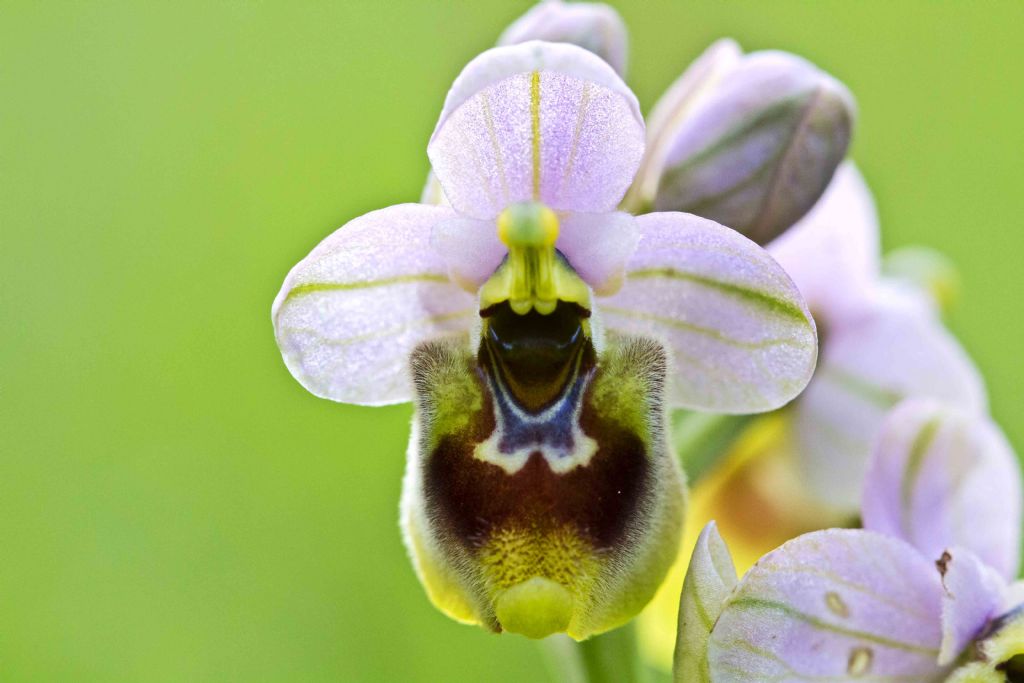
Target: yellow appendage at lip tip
{"points": [[536, 608], [533, 277]]}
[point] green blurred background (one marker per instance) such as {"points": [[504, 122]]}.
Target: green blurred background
{"points": [[173, 505]]}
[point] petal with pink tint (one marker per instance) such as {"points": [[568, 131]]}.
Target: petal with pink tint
{"points": [[941, 477], [1014, 596], [598, 246], [672, 109], [351, 312], [973, 593], [836, 605], [897, 349], [470, 248], [741, 339], [593, 26], [832, 254], [547, 122]]}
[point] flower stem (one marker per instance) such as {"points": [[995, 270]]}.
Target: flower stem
{"points": [[702, 439], [608, 658]]}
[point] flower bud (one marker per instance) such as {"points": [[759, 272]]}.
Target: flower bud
{"points": [[590, 25], [748, 141]]}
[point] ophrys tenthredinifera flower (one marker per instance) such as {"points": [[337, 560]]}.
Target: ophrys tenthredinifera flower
{"points": [[542, 334]]}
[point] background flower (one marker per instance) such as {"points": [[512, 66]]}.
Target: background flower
{"points": [[912, 595], [882, 340]]}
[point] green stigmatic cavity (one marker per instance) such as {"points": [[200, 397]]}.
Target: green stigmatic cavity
{"points": [[540, 495]]}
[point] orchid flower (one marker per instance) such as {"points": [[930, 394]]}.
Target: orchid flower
{"points": [[920, 595], [542, 334], [803, 468], [882, 341]]}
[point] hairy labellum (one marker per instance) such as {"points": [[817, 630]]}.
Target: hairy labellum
{"points": [[540, 494]]}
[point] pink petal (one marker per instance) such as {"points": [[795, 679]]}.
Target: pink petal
{"points": [[1014, 596], [537, 121], [941, 477], [741, 337], [598, 246], [972, 595], [470, 248], [350, 313], [896, 349], [837, 605], [832, 254], [591, 25], [675, 105]]}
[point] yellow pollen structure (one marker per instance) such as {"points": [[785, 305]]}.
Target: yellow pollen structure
{"points": [[533, 277]]}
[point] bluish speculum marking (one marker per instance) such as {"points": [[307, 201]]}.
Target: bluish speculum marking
{"points": [[537, 367]]}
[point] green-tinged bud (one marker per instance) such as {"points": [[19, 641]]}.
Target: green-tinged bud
{"points": [[590, 25], [930, 270], [541, 496], [748, 141]]}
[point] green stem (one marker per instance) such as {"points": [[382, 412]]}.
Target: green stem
{"points": [[702, 439], [635, 204], [608, 658]]}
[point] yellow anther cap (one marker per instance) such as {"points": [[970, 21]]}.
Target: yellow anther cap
{"points": [[528, 225]]}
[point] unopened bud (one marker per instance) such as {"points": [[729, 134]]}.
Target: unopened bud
{"points": [[750, 142], [516, 518], [590, 25]]}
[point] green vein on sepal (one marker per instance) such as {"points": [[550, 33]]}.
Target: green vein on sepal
{"points": [[706, 331], [772, 605], [313, 287]]}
